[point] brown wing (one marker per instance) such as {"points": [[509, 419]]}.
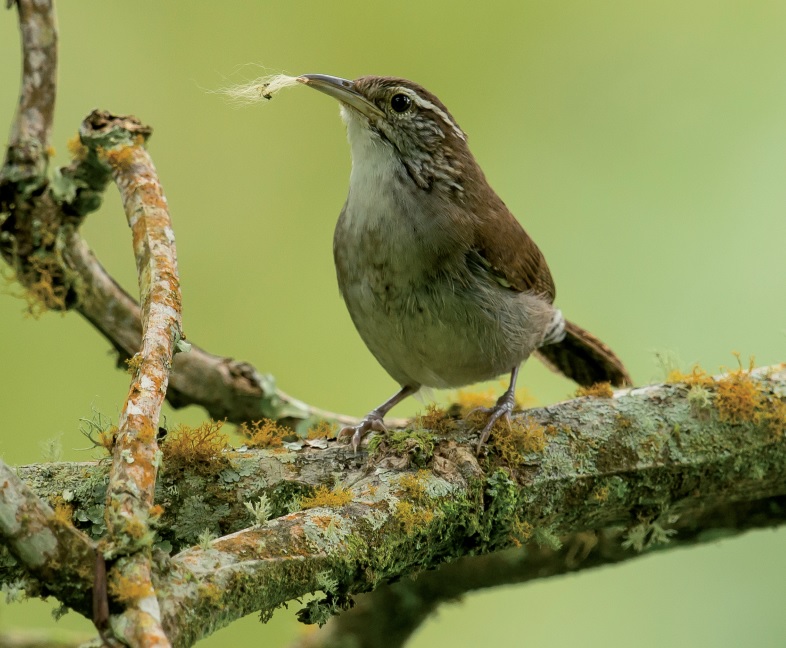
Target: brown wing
{"points": [[510, 254]]}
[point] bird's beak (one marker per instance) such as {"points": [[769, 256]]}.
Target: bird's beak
{"points": [[343, 90]]}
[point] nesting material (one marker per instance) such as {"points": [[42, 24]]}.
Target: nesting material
{"points": [[262, 88]]}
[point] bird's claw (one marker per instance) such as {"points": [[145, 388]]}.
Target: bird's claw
{"points": [[370, 423], [502, 410]]}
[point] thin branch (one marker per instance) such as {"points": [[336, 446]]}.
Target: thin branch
{"points": [[32, 126], [119, 142]]}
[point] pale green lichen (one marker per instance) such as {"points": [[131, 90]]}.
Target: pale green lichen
{"points": [[260, 510], [51, 449], [325, 530], [700, 398], [205, 539], [326, 582], [15, 591], [646, 535], [546, 537]]}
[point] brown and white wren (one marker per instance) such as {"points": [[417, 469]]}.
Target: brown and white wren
{"points": [[442, 283]]}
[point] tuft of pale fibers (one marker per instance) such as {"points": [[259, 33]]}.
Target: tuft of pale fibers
{"points": [[261, 88]]}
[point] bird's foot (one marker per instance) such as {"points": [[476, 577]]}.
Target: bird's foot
{"points": [[372, 422], [502, 410]]}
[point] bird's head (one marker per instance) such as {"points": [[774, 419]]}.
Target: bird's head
{"points": [[389, 116]]}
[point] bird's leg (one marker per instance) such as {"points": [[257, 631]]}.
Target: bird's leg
{"points": [[373, 420], [502, 409]]}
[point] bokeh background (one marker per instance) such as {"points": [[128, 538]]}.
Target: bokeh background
{"points": [[642, 144]]}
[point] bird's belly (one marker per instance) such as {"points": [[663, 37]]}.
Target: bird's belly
{"points": [[442, 332]]}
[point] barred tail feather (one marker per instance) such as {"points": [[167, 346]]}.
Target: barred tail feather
{"points": [[583, 358]]}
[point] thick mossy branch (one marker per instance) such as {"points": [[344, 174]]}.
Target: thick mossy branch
{"points": [[650, 468], [50, 556], [387, 617]]}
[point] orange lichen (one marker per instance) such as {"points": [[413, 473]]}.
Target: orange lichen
{"points": [[597, 390], [264, 433], [520, 532], [76, 149], [738, 397], [323, 496], [323, 521], [135, 528], [155, 512], [120, 158], [133, 363], [209, 593], [522, 435], [436, 419], [412, 518], [600, 494], [64, 512], [47, 291], [697, 376], [322, 430], [414, 486], [469, 400], [128, 589], [106, 438], [186, 445], [146, 432]]}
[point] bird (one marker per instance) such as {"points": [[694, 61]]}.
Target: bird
{"points": [[442, 283]]}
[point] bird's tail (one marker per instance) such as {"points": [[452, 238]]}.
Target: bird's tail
{"points": [[583, 358]]}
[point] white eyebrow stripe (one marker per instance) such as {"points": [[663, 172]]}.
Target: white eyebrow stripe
{"points": [[425, 103]]}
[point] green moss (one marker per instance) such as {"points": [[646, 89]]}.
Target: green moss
{"points": [[503, 506], [547, 537], [417, 445]]}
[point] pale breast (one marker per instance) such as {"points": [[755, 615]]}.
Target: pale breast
{"points": [[441, 326]]}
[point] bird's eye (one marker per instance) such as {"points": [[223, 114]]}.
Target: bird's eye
{"points": [[401, 103]]}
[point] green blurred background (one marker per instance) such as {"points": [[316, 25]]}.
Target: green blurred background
{"points": [[642, 144]]}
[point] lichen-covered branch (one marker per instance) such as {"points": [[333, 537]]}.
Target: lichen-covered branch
{"points": [[32, 126], [388, 616], [119, 143], [44, 542], [582, 483]]}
